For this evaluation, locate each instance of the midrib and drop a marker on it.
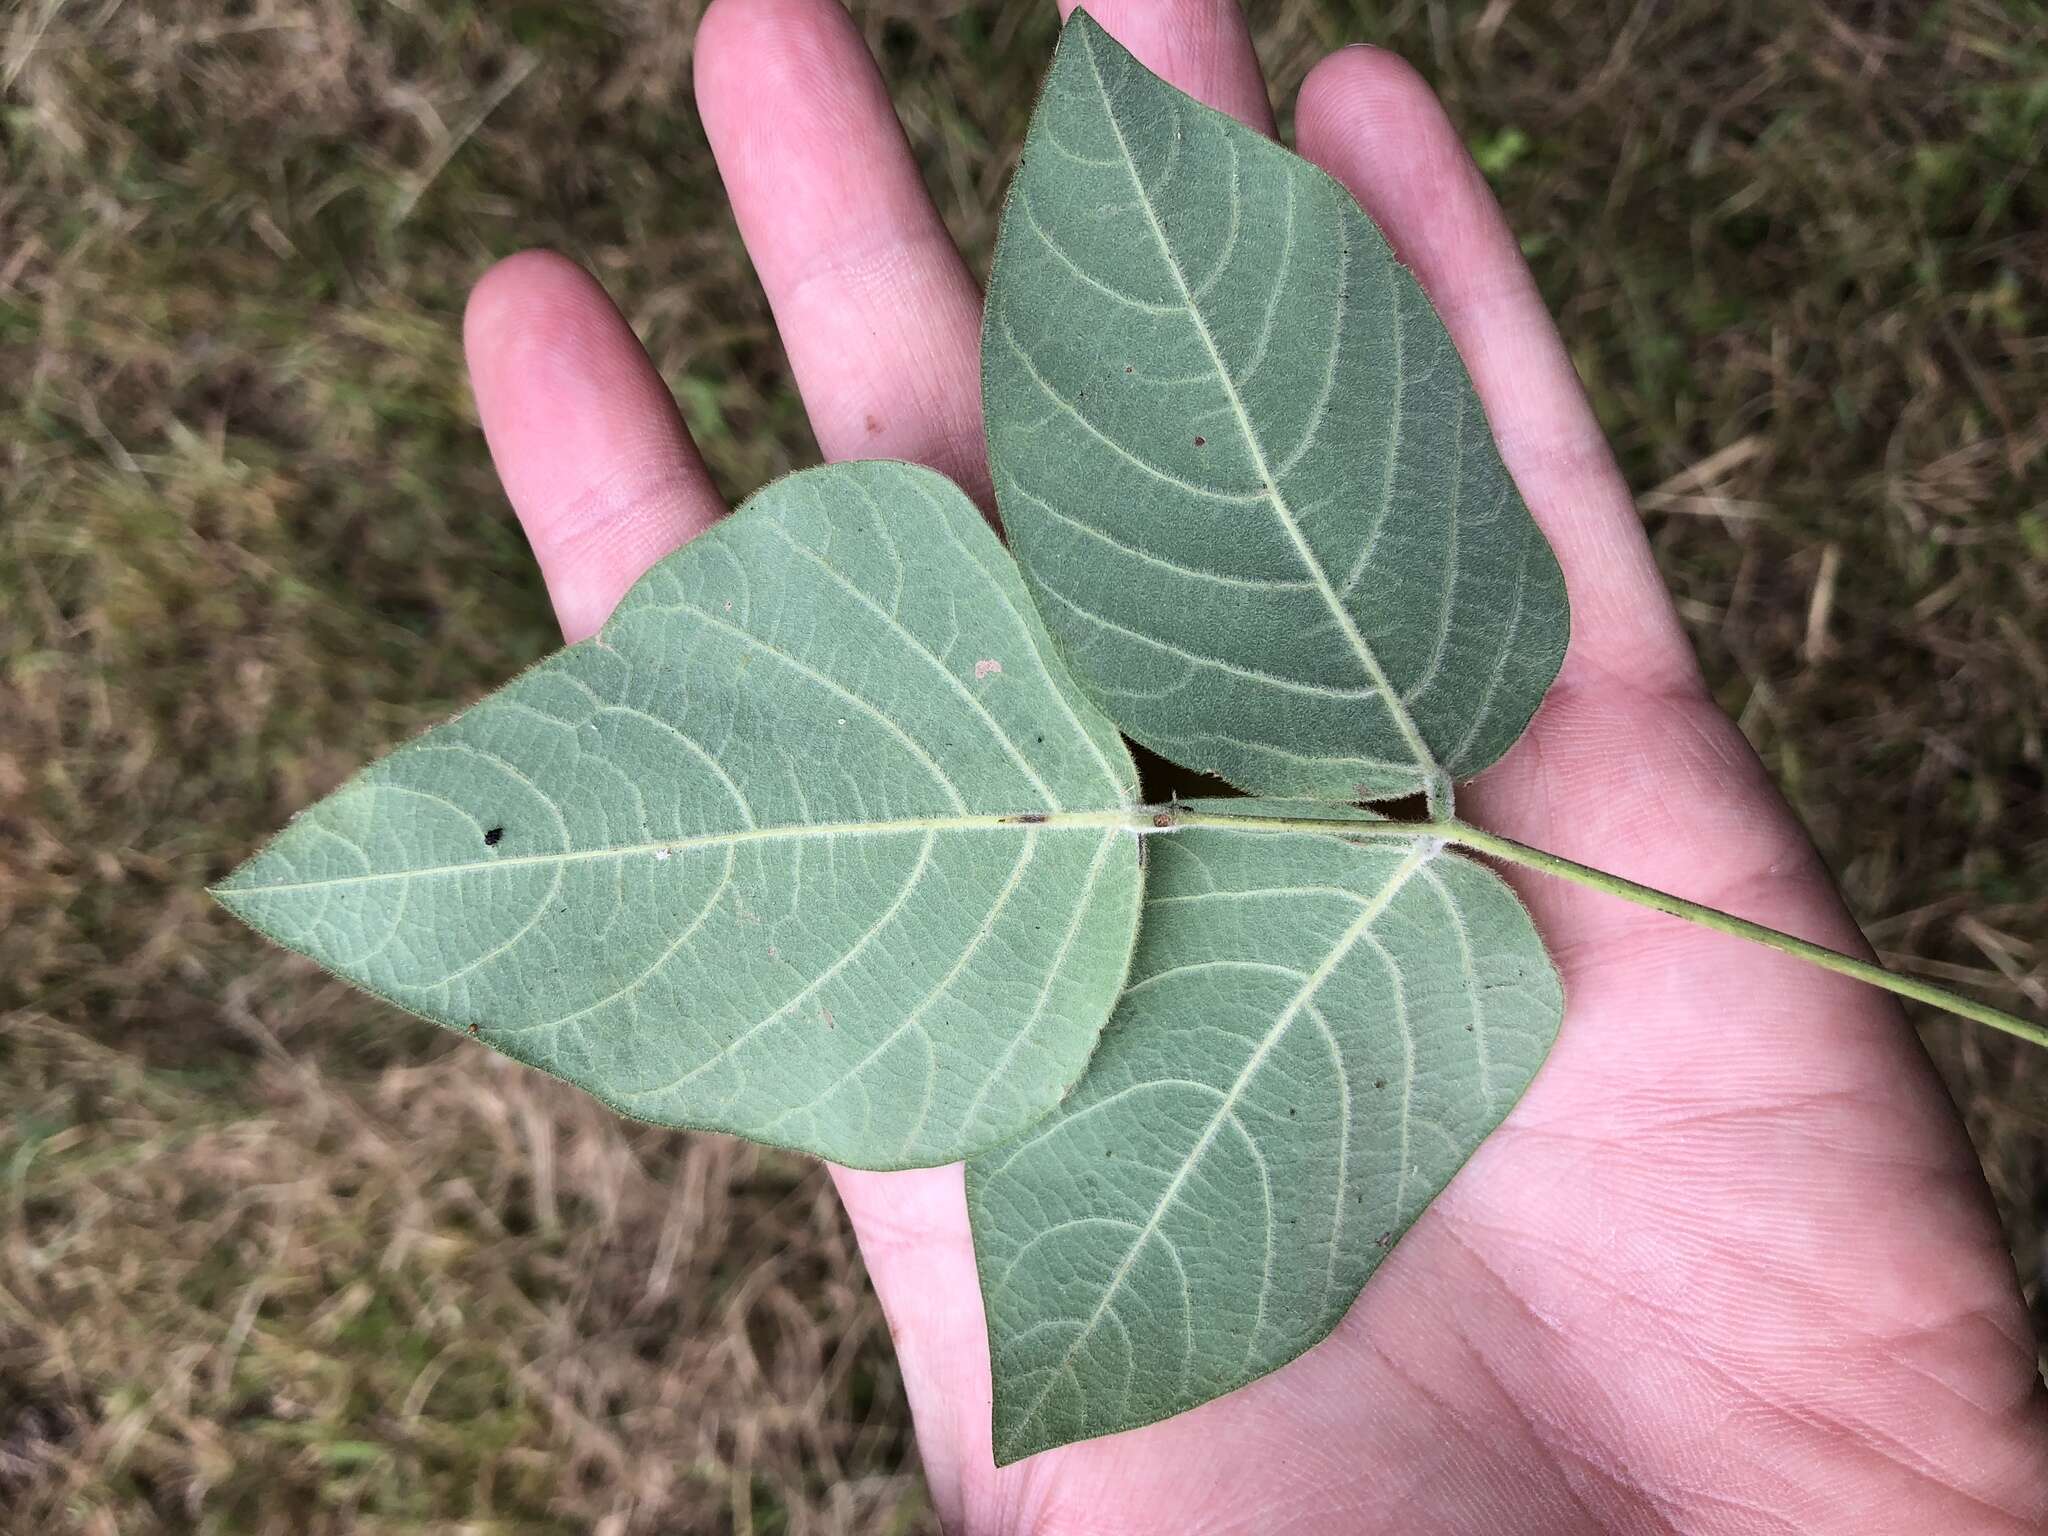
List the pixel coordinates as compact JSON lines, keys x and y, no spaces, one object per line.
{"x":1141,"y":820}
{"x":1013,"y":822}
{"x":1425,"y":760}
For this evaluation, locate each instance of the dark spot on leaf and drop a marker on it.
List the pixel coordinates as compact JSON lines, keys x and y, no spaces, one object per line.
{"x":493,"y":837}
{"x":1290,"y":1111}
{"x":1379,"y":1082}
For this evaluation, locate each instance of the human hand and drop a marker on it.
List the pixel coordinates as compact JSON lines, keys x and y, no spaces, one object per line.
{"x":1731,"y":1265}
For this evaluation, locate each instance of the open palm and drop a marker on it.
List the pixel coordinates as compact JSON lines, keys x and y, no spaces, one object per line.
{"x":1731,"y":1265}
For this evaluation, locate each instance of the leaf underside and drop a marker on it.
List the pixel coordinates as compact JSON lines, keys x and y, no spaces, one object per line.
{"x":742,"y":861}
{"x":1240,"y":460}
{"x":1314,"y":1038}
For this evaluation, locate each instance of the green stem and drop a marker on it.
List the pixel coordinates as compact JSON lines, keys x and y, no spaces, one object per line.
{"x":1511,"y":852}
{"x":1437,"y":796}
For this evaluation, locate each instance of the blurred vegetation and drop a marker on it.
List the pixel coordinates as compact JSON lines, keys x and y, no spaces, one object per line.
{"x":273,"y":1259}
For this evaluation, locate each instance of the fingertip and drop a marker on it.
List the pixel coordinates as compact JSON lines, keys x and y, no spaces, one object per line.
{"x":1363,"y":75}
{"x":1202,"y":47}
{"x":1367,"y":116}
{"x":750,"y":50}
{"x":511,"y":283}
{"x":587,"y":440}
{"x":536,"y":308}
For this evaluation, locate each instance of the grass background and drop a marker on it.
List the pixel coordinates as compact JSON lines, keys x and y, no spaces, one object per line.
{"x":273,"y":1259}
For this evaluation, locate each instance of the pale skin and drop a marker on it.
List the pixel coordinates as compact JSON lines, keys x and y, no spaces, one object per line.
{"x":1731,"y":1266}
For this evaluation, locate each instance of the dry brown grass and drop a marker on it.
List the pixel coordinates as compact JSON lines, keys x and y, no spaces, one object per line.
{"x":273,"y":1259}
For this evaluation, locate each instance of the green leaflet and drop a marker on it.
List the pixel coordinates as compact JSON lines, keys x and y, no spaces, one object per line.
{"x":1315,"y":1036}
{"x":1240,"y":460}
{"x":742,"y":861}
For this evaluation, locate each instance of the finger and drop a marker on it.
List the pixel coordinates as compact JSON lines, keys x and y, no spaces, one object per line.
{"x":878,"y":313}
{"x":585,"y":436}
{"x":1628,"y":763}
{"x":1372,"y":122}
{"x":1201,"y":46}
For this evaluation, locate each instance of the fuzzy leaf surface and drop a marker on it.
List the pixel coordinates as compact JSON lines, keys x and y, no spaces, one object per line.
{"x":1240,"y":460}
{"x":744,"y":861}
{"x":1315,"y":1036}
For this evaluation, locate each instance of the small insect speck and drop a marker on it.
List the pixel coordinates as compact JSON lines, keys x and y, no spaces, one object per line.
{"x":1379,"y":1082}
{"x":1201,"y":442}
{"x":985,"y":666}
{"x":661,"y":855}
{"x":494,"y":837}
{"x":472,"y":1028}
